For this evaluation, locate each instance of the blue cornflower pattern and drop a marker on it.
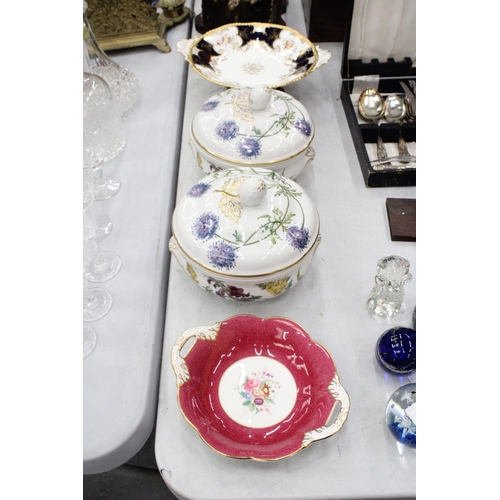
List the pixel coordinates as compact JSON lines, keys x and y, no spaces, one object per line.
{"x":198,"y":190}
{"x":222,"y":255}
{"x":298,"y":237}
{"x":303,"y":126}
{"x":205,"y":226}
{"x":209,"y":106}
{"x":248,"y":147}
{"x":227,"y":130}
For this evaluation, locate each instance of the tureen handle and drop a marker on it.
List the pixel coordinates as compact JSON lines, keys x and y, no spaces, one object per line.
{"x":183,"y":47}
{"x":324,"y":56}
{"x":199,"y":333}
{"x":340,"y":396}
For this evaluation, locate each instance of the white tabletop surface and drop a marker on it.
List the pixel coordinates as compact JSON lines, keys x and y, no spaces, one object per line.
{"x":362,"y":460}
{"x":121,"y":376}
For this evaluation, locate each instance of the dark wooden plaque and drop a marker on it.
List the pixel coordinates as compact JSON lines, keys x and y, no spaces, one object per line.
{"x":402,"y":215}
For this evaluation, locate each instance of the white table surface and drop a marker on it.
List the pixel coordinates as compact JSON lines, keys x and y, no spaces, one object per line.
{"x":121,"y":376}
{"x":362,"y":460}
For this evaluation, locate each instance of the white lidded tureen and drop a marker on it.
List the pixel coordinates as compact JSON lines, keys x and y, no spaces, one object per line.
{"x":260,"y":127}
{"x":245,"y":233}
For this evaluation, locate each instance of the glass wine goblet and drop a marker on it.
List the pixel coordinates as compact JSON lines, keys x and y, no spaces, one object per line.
{"x":89,"y":340}
{"x":103,"y":135}
{"x":97,"y":302}
{"x":122,"y":82}
{"x":103,"y":223}
{"x":98,"y":266}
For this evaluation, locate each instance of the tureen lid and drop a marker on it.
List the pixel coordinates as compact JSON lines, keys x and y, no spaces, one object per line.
{"x":255,"y":126}
{"x":245,"y":221}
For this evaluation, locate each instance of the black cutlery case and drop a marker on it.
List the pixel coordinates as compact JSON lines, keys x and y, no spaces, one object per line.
{"x":379,"y":52}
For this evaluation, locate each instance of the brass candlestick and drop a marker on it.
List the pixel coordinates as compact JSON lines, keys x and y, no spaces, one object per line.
{"x":172,"y":12}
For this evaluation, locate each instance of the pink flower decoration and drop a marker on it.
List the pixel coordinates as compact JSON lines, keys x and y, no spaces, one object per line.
{"x":251,"y":383}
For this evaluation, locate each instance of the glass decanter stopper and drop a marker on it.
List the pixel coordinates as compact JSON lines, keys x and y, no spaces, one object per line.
{"x":122,"y":82}
{"x":388,"y":293}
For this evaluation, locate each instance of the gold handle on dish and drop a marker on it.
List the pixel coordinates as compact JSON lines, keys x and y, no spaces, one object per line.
{"x":178,"y":363}
{"x":340,"y":395}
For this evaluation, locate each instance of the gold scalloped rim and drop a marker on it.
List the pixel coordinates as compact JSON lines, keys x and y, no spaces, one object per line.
{"x":269,"y":25}
{"x":303,"y":446}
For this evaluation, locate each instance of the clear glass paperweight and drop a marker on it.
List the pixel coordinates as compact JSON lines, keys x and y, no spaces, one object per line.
{"x":388,"y":293}
{"x":396,"y":350}
{"x":401,"y":415}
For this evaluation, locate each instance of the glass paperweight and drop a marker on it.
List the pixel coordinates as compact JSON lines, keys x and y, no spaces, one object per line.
{"x":401,"y":415}
{"x":122,"y":82}
{"x":396,"y":350}
{"x":89,"y":340}
{"x":388,"y":293}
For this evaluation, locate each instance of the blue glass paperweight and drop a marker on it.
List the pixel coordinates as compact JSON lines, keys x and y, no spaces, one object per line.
{"x":396,"y":350}
{"x":401,"y":415}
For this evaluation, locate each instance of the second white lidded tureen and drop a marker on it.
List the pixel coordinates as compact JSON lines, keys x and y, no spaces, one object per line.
{"x":245,"y":233}
{"x":259,"y":127}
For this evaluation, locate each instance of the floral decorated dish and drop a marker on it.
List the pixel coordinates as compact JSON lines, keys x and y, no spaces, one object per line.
{"x":253,"y":54}
{"x":258,"y":388}
{"x":261,"y":127}
{"x":245,"y":233}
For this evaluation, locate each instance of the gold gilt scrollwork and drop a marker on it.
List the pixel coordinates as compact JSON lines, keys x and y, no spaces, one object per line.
{"x":119,"y":24}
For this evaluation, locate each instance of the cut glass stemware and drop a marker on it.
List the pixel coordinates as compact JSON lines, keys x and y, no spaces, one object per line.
{"x":122,"y":82}
{"x":102,"y":267}
{"x":89,"y":340}
{"x":97,"y":302}
{"x":103,"y":135}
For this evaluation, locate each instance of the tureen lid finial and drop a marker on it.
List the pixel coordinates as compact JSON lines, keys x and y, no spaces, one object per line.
{"x":260,"y":97}
{"x":252,"y":191}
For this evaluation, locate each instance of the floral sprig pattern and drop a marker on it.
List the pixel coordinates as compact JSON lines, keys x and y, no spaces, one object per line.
{"x":277,"y":287}
{"x":229,"y":291}
{"x":249,"y":146}
{"x":279,"y":224}
{"x":258,"y":391}
{"x":226,"y":291}
{"x":198,"y":190}
{"x":205,"y":226}
{"x":227,"y":130}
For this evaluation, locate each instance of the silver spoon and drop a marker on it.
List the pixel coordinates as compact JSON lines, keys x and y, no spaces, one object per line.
{"x":411,"y":100}
{"x":395,"y":112}
{"x":371,"y":106}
